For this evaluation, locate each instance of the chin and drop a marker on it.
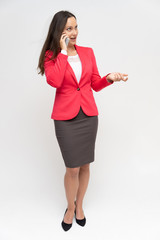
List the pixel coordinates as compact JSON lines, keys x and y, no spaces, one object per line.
{"x":71,"y":44}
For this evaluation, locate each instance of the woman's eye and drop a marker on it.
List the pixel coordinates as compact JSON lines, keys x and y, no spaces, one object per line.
{"x":70,"y":28}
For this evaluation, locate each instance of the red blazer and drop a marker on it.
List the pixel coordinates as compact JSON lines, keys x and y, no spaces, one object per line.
{"x":70,"y":94}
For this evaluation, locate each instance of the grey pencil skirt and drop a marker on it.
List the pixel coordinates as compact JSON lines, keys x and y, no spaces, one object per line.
{"x":76,"y":138}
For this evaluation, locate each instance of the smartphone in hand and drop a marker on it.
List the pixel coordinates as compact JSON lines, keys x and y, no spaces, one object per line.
{"x":67,"y":41}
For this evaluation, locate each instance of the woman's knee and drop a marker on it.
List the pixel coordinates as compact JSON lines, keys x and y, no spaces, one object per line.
{"x":85,"y":167}
{"x":72,"y":172}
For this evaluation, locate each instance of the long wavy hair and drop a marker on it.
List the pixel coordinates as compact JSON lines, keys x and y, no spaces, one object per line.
{"x":52,"y":41}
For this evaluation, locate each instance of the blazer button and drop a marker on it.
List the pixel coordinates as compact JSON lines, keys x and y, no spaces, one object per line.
{"x":78,"y":89}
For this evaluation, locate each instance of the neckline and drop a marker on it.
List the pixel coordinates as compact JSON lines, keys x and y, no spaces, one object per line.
{"x":73,"y":55}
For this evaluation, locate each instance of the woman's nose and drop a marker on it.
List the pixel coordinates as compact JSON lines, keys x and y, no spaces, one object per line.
{"x":74,"y":32}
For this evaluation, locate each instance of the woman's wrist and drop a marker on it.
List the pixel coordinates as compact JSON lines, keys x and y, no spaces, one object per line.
{"x":108,"y":79}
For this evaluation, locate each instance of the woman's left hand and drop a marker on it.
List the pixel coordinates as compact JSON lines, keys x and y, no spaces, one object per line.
{"x":116,"y":76}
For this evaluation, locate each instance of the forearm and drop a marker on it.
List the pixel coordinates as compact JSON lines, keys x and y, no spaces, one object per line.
{"x":55,"y":70}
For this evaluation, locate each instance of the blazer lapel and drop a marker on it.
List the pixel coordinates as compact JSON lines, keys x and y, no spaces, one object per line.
{"x":82,"y":62}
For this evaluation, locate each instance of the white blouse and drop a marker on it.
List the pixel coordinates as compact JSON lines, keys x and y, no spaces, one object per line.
{"x":75,"y":63}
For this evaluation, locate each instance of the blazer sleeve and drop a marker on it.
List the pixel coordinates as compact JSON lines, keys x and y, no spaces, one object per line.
{"x":98,"y":83}
{"x":55,"y":69}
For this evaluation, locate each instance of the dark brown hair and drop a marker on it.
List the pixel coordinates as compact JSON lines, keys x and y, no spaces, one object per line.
{"x":51,"y":43}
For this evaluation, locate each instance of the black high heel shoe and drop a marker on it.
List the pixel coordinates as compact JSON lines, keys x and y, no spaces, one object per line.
{"x":81,"y":222}
{"x":66,"y":226}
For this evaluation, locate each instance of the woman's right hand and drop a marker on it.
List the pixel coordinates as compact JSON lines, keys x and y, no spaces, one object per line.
{"x":62,"y":41}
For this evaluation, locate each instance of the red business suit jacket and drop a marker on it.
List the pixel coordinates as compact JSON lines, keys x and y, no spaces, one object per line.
{"x":70,"y":94}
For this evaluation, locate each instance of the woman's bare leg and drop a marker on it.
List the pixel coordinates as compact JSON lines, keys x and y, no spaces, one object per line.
{"x":84,"y":175}
{"x":71,"y":183}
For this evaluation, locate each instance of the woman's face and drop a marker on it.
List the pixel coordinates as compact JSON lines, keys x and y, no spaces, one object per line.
{"x":71,"y":30}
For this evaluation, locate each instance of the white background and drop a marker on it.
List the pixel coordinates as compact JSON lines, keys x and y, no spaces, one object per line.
{"x":122,"y":199}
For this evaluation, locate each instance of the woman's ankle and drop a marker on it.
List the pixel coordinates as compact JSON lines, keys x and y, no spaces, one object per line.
{"x":79,"y":204}
{"x":71,"y":207}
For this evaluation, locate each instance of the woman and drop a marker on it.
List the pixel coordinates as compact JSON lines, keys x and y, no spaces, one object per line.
{"x":72,"y":70}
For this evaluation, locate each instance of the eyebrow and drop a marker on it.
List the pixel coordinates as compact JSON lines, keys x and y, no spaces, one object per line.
{"x":71,"y":26}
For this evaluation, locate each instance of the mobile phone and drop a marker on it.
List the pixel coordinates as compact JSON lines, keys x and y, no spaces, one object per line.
{"x":67,"y":41}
